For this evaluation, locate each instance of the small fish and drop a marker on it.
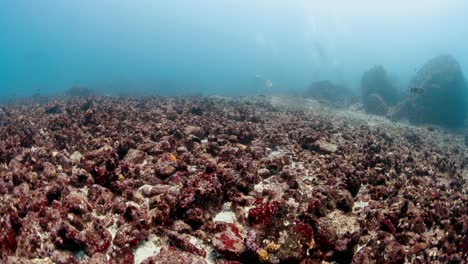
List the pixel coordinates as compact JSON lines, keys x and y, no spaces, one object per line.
{"x":262,"y":84}
{"x":268,"y":84}
{"x":416,"y":90}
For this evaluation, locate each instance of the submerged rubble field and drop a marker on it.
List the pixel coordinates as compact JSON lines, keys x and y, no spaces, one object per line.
{"x":218,"y":180}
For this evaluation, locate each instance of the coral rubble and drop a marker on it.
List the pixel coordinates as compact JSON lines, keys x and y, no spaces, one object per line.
{"x":224,"y":180}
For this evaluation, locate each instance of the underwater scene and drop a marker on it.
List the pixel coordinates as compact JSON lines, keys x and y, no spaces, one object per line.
{"x":229,"y":132}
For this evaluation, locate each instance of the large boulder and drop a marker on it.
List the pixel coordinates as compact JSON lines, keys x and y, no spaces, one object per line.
{"x":437,"y":94}
{"x":376,"y":87}
{"x":330,"y":94}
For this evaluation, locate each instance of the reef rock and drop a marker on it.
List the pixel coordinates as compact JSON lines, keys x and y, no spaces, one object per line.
{"x":172,"y":255}
{"x":338,"y":233}
{"x":437,"y":94}
{"x":377,"y":90}
{"x":389,"y":250}
{"x":324,"y":147}
{"x":229,"y":242}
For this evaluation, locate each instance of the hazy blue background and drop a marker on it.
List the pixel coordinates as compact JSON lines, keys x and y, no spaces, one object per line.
{"x":219,"y":46}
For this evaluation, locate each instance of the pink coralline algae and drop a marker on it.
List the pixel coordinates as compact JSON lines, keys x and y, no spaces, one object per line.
{"x":229,"y":242}
{"x":262,"y":212}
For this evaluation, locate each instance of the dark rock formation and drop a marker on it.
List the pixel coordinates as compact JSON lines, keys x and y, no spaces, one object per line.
{"x":377,"y":91}
{"x":330,"y":94}
{"x":437,"y":94}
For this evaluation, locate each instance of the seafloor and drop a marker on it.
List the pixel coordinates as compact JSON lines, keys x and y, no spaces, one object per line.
{"x":226,"y":180}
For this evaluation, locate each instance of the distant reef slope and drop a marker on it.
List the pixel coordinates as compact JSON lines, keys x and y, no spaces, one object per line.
{"x":331,"y":94}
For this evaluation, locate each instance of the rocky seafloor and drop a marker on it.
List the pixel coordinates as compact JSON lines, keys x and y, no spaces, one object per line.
{"x":226,"y":180}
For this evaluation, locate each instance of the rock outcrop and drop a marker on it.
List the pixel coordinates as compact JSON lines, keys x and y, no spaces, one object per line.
{"x":437,"y":94}
{"x":377,"y":91}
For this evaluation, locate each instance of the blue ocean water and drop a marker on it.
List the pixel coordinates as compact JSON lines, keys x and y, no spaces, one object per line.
{"x":218,"y":47}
